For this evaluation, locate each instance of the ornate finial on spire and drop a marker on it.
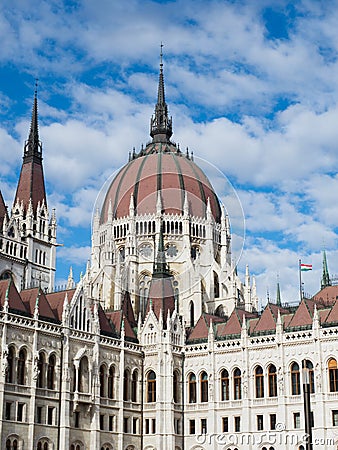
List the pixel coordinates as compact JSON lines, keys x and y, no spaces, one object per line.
{"x":325,"y":277}
{"x":161,"y":123}
{"x":33,"y":146}
{"x":278,"y":300}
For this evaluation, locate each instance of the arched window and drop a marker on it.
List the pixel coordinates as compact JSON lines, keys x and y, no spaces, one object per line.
{"x":272,"y":375}
{"x":10,"y":365}
{"x":192,"y":388}
{"x":51,"y":372}
{"x":45,"y":446}
{"x":83,"y":385}
{"x":102,"y":376}
{"x":295,"y":379}
{"x":333,"y":375}
{"x":309,"y":366}
{"x":15,"y":444}
{"x":151,"y":387}
{"x":224,"y":385}
{"x":204,"y":386}
{"x":216,"y":285}
{"x":259,"y":382}
{"x":175,"y":386}
{"x":21,"y":367}
{"x":126,"y":382}
{"x":111,"y":382}
{"x":192,"y":314}
{"x":134,"y":386}
{"x":41,"y":370}
{"x":8,"y":444}
{"x":237,"y":384}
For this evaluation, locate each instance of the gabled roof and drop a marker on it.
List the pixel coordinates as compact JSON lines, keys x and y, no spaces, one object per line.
{"x":201,"y":329}
{"x":127,"y":309}
{"x":234,"y":324}
{"x":15,"y":303}
{"x":303,"y":314}
{"x":56,"y":300}
{"x":31,"y":296}
{"x":3,"y":211}
{"x":327,"y":295}
{"x":333,"y":314}
{"x":116,"y":318}
{"x":268,"y":319}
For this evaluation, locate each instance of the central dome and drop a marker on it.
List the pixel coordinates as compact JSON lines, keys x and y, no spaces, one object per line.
{"x":160,"y":179}
{"x":161,"y":169}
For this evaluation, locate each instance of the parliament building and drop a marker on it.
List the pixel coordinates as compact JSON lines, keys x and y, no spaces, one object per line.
{"x":160,"y":345}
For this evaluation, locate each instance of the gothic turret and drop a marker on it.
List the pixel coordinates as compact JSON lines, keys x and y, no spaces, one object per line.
{"x":161,"y":123}
{"x":325,"y":277}
{"x":31,"y":185}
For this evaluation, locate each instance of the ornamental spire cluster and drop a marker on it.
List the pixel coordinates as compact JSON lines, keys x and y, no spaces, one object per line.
{"x":161,"y":123}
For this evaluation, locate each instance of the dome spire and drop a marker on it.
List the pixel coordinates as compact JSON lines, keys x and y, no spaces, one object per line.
{"x":161,"y":123}
{"x":33,"y":145}
{"x":161,"y":269}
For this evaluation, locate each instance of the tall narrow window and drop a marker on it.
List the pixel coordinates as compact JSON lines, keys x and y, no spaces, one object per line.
{"x":204,"y":387}
{"x":83,"y":385}
{"x":102,"y":375}
{"x":134,"y":386}
{"x":224,"y":385}
{"x":192,"y":388}
{"x":333,"y":375}
{"x":21,"y":367}
{"x":272,"y":376}
{"x":151,"y":387}
{"x":216,"y":285}
{"x":111,"y":382}
{"x":259,"y":382}
{"x":295,"y":379}
{"x":41,"y":370}
{"x":309,"y":366}
{"x":237,"y":384}
{"x":126,"y":382}
{"x":10,"y":365}
{"x":51,"y":372}
{"x":192,"y":314}
{"x":175,"y":386}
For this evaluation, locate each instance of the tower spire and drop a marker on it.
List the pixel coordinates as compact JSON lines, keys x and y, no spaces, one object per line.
{"x":31,"y":185}
{"x":33,"y":146}
{"x":325,"y":277}
{"x":161,"y":123}
{"x":278,"y":300}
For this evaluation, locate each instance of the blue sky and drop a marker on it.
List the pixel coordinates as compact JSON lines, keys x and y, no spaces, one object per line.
{"x":252,"y":88}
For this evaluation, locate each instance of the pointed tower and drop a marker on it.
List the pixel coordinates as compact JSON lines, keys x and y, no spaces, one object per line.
{"x":28,"y":252}
{"x":3,"y":212}
{"x":161,"y":123}
{"x":278,"y":299}
{"x":325,"y":277}
{"x":31,"y":185}
{"x":161,"y":293}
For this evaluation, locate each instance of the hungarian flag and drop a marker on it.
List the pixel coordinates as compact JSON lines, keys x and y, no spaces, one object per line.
{"x":305,"y":267}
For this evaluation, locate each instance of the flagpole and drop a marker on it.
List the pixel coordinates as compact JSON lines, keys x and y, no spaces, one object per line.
{"x":300,"y":281}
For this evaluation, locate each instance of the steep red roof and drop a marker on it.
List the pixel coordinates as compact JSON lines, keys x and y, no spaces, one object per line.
{"x":303,"y":314}
{"x":116,"y":318}
{"x":3,"y":211}
{"x":201,"y":329}
{"x":161,"y":295}
{"x":30,"y":296}
{"x":56,"y":300}
{"x":328,"y":295}
{"x":234,"y":323}
{"x":14,"y":299}
{"x":31,"y":185}
{"x":127,"y":309}
{"x":268,"y":319}
{"x":333,"y":314}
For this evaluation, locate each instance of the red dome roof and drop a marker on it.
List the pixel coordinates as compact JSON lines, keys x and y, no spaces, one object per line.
{"x":160,"y":167}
